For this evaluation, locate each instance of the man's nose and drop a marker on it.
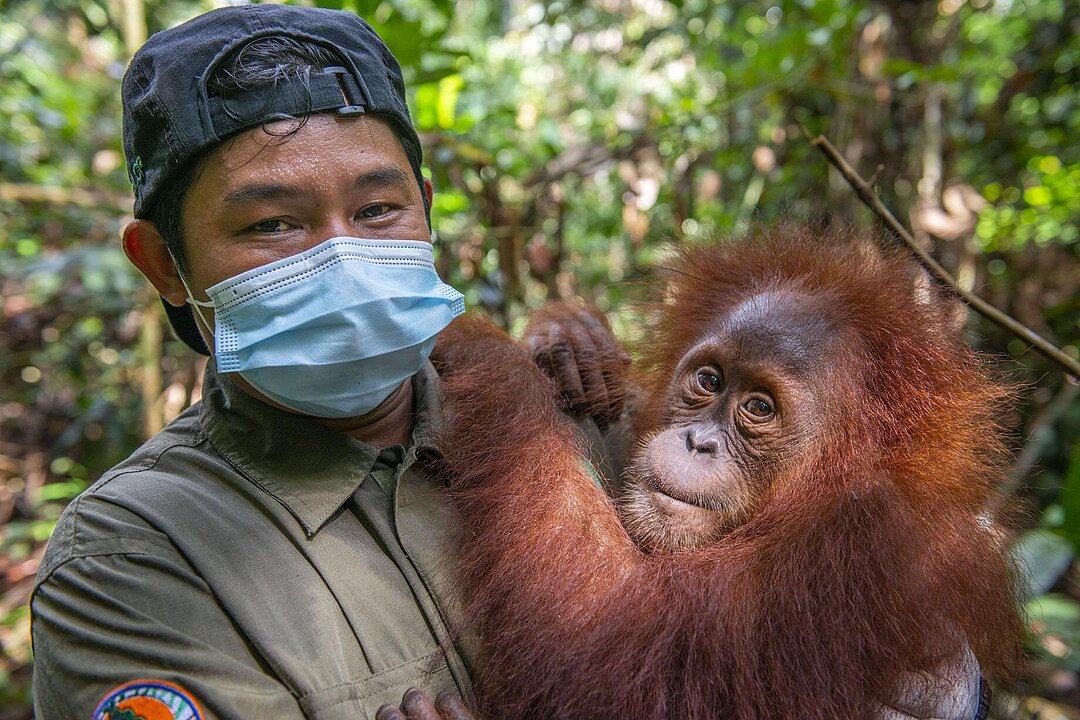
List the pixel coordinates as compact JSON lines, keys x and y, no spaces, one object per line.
{"x":338,"y":226}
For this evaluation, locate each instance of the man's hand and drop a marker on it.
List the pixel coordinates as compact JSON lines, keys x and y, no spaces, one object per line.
{"x":415,"y":705}
{"x":573,"y":344}
{"x":954,"y":691}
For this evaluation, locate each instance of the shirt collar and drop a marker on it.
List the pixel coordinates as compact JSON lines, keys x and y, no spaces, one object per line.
{"x":310,"y":469}
{"x":428,"y":408}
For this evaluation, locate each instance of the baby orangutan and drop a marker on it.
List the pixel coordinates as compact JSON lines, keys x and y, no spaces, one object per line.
{"x":802,"y":524}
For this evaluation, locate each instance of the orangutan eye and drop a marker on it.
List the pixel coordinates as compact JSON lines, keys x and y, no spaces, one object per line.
{"x":759,"y":408}
{"x":708,"y":381}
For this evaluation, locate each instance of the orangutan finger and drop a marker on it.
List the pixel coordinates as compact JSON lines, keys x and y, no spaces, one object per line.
{"x":451,"y":707}
{"x":417,"y":706}
{"x":537,"y":341}
{"x":950,"y":691}
{"x":388,"y":712}
{"x":594,"y":382}
{"x":577,"y":350}
{"x":613,"y":369}
{"x":566,"y":369}
{"x":549,"y":349}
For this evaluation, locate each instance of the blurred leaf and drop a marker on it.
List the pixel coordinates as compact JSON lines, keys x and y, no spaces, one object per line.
{"x":446,"y":106}
{"x":1056,"y":620}
{"x":1043,"y":557}
{"x":1070,"y":496}
{"x":62,"y":490}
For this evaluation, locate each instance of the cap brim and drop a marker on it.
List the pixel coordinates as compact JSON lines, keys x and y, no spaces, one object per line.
{"x":183,"y":325}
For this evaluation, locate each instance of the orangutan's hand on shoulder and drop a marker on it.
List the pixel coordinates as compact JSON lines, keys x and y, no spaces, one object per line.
{"x":573,"y":344}
{"x":415,"y":705}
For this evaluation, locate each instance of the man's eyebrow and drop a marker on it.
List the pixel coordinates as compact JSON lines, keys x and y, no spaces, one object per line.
{"x":255,"y":192}
{"x":383,"y":177}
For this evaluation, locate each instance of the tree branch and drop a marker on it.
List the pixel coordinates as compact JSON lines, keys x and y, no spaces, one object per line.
{"x":870,"y":198}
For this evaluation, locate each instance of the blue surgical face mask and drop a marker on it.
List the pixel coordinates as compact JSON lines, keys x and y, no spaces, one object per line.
{"x":332,"y":331}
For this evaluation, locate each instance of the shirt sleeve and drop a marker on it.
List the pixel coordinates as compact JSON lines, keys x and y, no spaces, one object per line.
{"x":106,"y":617}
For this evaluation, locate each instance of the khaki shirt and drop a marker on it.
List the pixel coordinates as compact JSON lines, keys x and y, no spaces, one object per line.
{"x":264,"y":564}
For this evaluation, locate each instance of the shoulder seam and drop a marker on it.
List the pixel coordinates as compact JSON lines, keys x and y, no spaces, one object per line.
{"x":101,"y":553}
{"x":200,"y":438}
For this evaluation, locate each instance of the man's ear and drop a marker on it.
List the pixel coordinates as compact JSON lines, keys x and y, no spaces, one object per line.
{"x":146,"y":250}
{"x":429,"y":190}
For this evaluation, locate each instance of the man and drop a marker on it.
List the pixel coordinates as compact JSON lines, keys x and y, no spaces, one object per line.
{"x":283,"y":549}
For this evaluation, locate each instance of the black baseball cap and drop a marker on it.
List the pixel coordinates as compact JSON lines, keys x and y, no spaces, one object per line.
{"x":170,"y":117}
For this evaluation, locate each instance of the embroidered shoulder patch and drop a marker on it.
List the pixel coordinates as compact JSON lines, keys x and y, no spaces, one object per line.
{"x":148,"y":700}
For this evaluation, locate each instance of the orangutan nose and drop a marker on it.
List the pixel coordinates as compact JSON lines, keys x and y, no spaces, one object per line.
{"x":703,"y":443}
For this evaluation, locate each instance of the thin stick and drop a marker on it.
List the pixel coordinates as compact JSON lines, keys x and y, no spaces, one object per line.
{"x":870,"y":198}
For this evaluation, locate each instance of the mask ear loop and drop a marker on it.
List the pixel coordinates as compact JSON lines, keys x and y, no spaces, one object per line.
{"x":196,"y":305}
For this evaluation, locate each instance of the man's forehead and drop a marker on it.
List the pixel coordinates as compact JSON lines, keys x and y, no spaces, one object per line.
{"x":319,"y":145}
{"x":296,"y":136}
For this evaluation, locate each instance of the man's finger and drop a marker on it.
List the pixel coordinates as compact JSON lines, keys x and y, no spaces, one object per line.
{"x":452,"y":708}
{"x":417,"y":706}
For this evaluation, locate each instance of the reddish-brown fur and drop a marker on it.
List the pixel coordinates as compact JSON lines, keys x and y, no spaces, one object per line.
{"x":864,"y":565}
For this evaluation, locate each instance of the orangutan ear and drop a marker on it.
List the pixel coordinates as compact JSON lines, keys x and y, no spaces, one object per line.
{"x":146,"y":249}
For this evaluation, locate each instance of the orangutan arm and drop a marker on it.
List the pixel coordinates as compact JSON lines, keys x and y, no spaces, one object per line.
{"x":506,"y":440}
{"x":536,"y":526}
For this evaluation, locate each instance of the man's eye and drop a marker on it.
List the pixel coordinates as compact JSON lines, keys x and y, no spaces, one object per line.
{"x":708,"y":381}
{"x":270,"y":226}
{"x":374,"y":211}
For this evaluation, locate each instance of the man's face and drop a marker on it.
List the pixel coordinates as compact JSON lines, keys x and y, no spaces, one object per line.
{"x":260,"y":197}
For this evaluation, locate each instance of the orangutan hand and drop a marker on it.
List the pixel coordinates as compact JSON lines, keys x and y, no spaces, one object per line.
{"x":573,"y":344}
{"x":416,"y":706}
{"x":954,"y":691}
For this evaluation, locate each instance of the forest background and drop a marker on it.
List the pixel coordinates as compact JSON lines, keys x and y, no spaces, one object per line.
{"x":569,"y":142}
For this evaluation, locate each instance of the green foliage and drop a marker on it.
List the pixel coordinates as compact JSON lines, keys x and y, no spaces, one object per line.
{"x":1070,"y":496}
{"x":1056,"y":618}
{"x":1043,"y":209}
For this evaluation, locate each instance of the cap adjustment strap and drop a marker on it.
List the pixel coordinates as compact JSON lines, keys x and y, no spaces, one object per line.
{"x":335,"y":88}
{"x":347,"y":84}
